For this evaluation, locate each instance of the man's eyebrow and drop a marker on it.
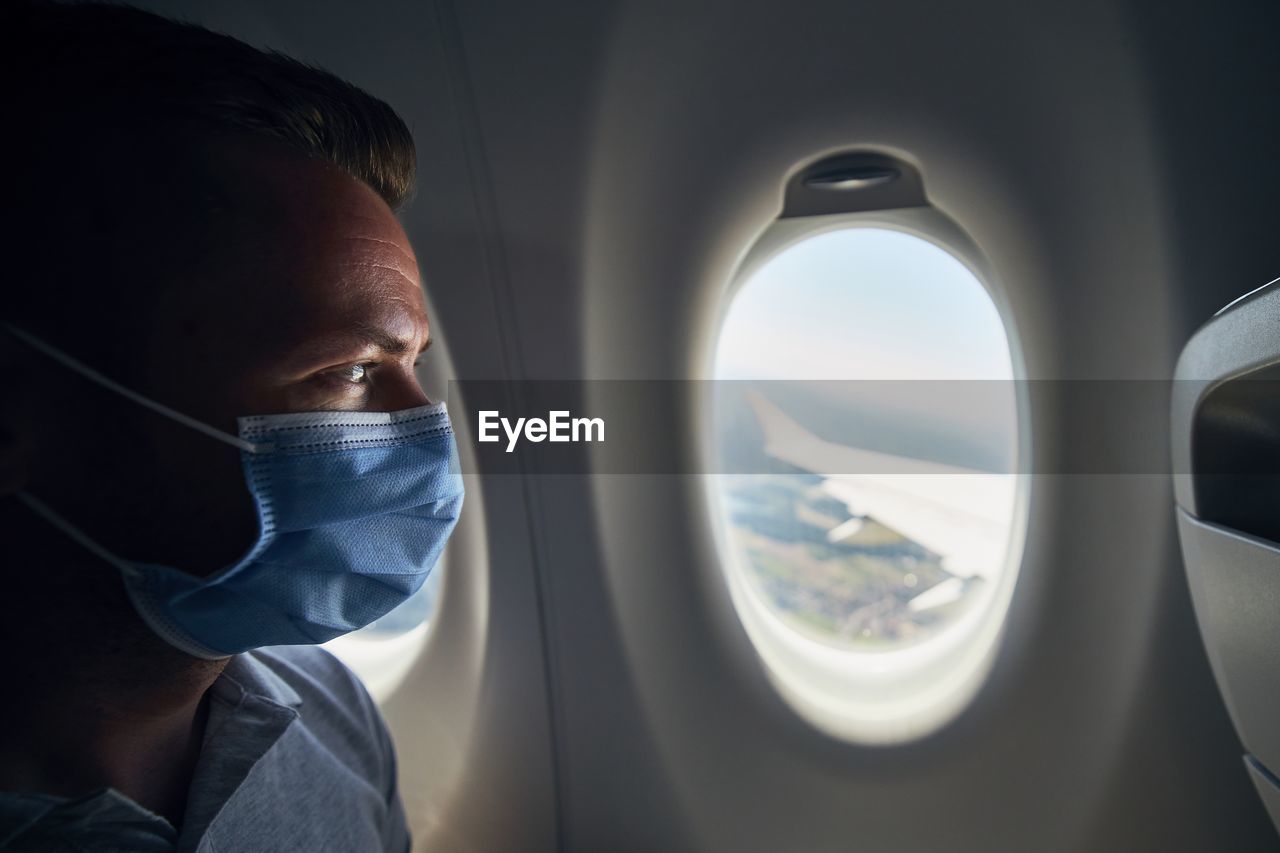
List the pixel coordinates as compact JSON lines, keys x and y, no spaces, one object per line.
{"x":386,"y":341}
{"x":381,"y":338}
{"x":362,"y":336}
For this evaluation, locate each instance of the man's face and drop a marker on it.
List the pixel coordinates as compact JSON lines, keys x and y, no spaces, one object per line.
{"x":306,"y":297}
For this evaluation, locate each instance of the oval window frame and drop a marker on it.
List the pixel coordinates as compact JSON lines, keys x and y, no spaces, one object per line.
{"x":888,"y":697}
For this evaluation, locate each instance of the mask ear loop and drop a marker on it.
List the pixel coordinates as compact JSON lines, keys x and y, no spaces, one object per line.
{"x":135,"y":581}
{"x":74,"y":533}
{"x":94,"y":376}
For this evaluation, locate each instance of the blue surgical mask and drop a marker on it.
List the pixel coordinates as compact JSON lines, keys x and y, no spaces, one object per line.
{"x":353,"y":511}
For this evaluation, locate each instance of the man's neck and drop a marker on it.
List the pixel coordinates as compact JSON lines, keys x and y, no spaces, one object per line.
{"x":100,"y":701}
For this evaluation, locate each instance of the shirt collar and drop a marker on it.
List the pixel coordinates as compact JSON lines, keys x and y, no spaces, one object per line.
{"x":251,"y":707}
{"x":246,"y":676}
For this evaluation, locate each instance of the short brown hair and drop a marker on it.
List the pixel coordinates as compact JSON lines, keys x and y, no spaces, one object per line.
{"x":89,"y":61}
{"x":111,"y":110}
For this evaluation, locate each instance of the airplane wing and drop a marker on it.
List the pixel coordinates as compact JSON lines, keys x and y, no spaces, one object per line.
{"x":958,"y":513}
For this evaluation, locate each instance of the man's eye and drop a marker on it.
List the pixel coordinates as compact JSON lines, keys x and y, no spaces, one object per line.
{"x":356,"y":374}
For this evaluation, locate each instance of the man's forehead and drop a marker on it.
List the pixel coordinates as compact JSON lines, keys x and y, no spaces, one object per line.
{"x":350,"y":291}
{"x":303,"y":251}
{"x":286,"y":192}
{"x":379,"y":249}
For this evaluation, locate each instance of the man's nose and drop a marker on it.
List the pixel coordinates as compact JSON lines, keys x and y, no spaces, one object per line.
{"x":401,"y":391}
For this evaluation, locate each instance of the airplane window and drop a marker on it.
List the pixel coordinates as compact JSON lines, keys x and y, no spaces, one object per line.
{"x":866,"y":423}
{"x":382,"y":653}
